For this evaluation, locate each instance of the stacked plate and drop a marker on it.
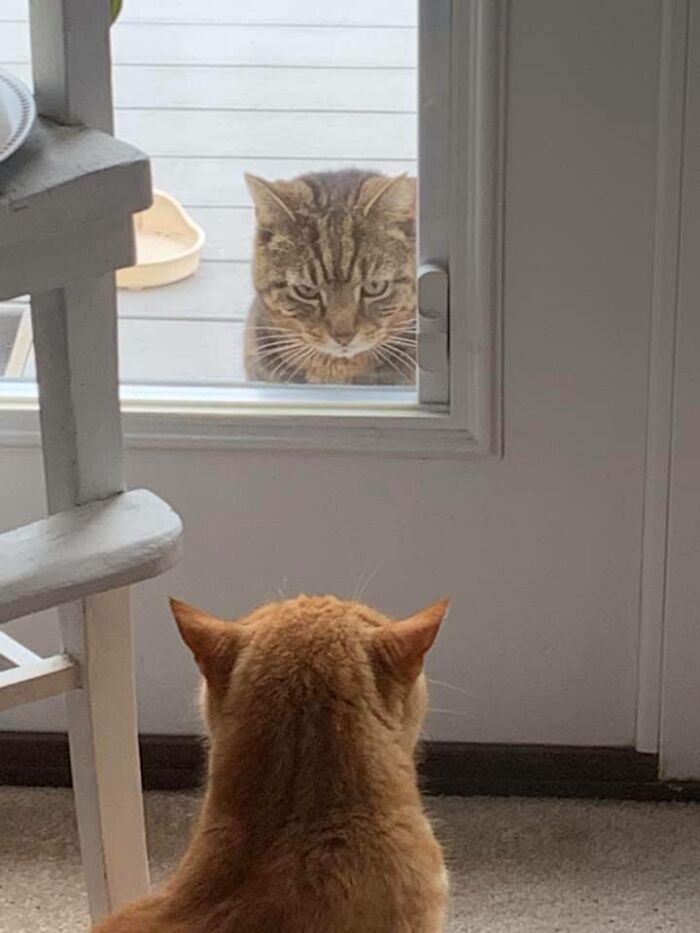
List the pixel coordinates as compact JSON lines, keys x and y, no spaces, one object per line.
{"x":17,"y":113}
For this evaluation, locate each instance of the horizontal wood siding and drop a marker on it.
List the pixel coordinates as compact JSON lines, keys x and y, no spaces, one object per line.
{"x":272,"y":12}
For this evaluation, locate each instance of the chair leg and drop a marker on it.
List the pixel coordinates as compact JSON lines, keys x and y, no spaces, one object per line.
{"x":76,"y":358}
{"x":104,"y":751}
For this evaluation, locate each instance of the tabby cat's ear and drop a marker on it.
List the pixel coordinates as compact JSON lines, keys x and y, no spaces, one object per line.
{"x":271,"y":207}
{"x":213,"y":642}
{"x":404,"y":644}
{"x":394,"y":196}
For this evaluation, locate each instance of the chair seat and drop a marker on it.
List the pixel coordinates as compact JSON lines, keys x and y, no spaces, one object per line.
{"x":66,"y":204}
{"x":89,"y":549}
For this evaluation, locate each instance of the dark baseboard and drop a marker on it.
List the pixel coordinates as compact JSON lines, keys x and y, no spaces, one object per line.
{"x":176,"y":762}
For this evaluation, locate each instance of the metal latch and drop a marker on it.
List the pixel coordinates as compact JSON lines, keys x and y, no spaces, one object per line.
{"x":433,"y":334}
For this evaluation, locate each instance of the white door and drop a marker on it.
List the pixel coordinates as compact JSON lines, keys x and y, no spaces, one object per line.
{"x":541,"y":549}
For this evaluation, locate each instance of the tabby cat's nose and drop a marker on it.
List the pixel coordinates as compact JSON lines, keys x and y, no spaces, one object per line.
{"x":343,"y":339}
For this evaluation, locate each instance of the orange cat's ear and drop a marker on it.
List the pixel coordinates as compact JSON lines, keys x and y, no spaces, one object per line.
{"x":270,"y":200}
{"x":213,"y":643}
{"x":395,"y":196}
{"x":406,"y":643}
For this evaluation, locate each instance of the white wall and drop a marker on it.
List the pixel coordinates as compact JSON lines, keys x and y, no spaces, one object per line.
{"x":540,"y":552}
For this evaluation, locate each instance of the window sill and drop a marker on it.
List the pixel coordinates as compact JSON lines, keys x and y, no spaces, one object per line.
{"x":337,"y":420}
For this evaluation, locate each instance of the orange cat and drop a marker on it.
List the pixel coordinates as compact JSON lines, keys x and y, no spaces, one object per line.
{"x":312,"y":821}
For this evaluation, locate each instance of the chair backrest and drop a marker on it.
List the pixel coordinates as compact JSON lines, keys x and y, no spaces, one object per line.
{"x":71,"y":61}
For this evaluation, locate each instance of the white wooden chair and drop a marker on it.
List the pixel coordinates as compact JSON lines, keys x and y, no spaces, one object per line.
{"x":66,"y":200}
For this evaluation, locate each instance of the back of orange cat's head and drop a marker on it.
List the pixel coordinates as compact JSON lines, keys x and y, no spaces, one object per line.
{"x":308,"y":649}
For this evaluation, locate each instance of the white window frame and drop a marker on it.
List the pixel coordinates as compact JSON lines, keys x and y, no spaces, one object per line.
{"x":458,"y":409}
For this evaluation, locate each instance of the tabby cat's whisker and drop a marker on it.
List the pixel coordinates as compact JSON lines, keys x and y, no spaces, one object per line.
{"x":290,"y":357}
{"x":302,"y":361}
{"x":303,"y":364}
{"x":281,"y":364}
{"x":277,"y":351}
{"x":401,"y":358}
{"x":272,"y":327}
{"x":385,"y":358}
{"x":401,"y":327}
{"x":399,"y":345}
{"x":290,"y":352}
{"x":399,"y":341}
{"x":276,"y":341}
{"x":404,"y":341}
{"x":279,"y":339}
{"x":400,"y":352}
{"x":279,"y":346}
{"x":392,"y":361}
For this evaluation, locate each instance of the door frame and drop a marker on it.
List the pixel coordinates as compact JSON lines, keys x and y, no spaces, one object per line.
{"x":679,"y":746}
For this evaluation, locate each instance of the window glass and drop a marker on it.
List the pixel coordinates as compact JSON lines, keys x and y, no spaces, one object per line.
{"x":283,"y":139}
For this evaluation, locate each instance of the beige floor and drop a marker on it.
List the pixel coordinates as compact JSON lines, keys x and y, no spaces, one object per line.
{"x":518,"y":866}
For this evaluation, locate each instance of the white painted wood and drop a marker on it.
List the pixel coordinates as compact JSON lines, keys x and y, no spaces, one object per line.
{"x":89,"y":549}
{"x":76,"y":351}
{"x":434,"y":131}
{"x":75,"y":342}
{"x":680,"y":725}
{"x":65,"y":207}
{"x":265,"y":88}
{"x":673,"y":65}
{"x":218,"y":289}
{"x":253,"y":134}
{"x":180,"y":353}
{"x":43,"y":678}
{"x":476,"y":228}
{"x":103,"y":734}
{"x":15,"y":10}
{"x":65,"y":177}
{"x":274,"y":12}
{"x":15,"y":652}
{"x":229,"y":232}
{"x":20,"y":348}
{"x":433,"y":323}
{"x":434,"y":203}
{"x":219,"y":182}
{"x":70,"y":55}
{"x":278,"y":12}
{"x":280,"y":89}
{"x":10,"y":316}
{"x":51,"y":262}
{"x":243,"y":45}
{"x":540,"y":551}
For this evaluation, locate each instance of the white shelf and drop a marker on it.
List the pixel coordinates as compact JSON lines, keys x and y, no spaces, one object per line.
{"x":89,"y":549}
{"x":66,"y":200}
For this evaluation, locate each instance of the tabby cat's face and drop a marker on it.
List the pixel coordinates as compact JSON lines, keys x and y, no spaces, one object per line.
{"x":335,"y":262}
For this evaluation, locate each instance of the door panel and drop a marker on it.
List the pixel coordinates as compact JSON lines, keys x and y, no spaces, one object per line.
{"x":540,"y":551}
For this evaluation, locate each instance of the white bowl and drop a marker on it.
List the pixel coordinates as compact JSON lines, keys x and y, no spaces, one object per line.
{"x":17,"y":113}
{"x":168,"y":245}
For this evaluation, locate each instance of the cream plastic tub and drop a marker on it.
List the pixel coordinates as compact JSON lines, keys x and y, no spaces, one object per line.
{"x":168,"y":245}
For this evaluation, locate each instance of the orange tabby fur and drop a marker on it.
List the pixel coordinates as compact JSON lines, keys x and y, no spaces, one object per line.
{"x":312,"y":820}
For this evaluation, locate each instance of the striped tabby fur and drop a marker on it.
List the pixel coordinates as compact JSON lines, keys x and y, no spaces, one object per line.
{"x":334,"y":274}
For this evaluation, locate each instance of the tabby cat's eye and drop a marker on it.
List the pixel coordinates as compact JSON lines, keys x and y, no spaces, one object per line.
{"x":305,"y":292}
{"x":376,"y":288}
